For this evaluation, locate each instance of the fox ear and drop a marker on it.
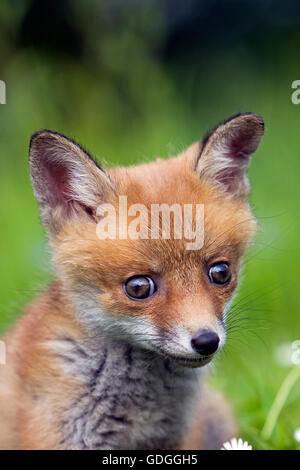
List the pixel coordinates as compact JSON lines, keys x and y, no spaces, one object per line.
{"x":66,"y":180}
{"x":225,"y":153}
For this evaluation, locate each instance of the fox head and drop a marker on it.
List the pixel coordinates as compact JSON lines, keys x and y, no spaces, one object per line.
{"x":150,"y":291}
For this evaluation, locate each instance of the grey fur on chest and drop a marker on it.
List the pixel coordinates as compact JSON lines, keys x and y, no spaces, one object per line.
{"x":131,"y":398}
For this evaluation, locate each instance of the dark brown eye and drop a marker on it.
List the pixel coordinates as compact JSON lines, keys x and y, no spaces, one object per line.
{"x":139,"y":287}
{"x":219,"y":273}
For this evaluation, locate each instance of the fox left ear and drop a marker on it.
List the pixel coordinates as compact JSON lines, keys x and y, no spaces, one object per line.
{"x":67,"y":181}
{"x":225,"y":153}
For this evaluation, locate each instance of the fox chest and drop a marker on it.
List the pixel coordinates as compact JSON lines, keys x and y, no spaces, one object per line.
{"x":130,"y":400}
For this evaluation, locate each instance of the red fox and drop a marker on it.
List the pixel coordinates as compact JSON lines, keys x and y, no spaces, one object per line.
{"x":113,"y":355}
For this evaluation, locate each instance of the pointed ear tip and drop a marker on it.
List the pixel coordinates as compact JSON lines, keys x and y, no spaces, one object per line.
{"x":258,"y":119}
{"x":250,"y":117}
{"x":40,"y":135}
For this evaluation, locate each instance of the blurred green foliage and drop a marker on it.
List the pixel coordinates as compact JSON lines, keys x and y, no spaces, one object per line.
{"x":132,"y":106}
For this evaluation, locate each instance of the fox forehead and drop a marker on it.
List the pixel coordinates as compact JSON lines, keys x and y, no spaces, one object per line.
{"x":161,"y":181}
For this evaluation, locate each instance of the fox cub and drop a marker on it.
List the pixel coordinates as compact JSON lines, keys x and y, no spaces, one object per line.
{"x":113,"y":354}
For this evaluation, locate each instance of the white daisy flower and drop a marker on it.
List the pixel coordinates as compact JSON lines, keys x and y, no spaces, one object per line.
{"x":297,"y":435}
{"x":236,"y":444}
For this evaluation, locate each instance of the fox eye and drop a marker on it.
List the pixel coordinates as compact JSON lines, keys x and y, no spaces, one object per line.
{"x":219,"y":273}
{"x":139,"y":287}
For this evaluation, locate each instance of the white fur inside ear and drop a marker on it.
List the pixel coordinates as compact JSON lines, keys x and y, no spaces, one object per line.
{"x":84,"y":188}
{"x":229,"y":173}
{"x":224,"y":163}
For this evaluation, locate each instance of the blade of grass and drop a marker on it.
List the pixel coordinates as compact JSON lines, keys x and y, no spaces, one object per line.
{"x":279,"y":402}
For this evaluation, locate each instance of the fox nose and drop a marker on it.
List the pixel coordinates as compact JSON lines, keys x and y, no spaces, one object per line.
{"x":205,"y":342}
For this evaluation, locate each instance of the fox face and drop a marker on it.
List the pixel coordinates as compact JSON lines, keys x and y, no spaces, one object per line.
{"x":151,"y":292}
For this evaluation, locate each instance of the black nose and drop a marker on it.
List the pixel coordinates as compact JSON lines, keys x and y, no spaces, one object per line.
{"x":205,"y":342}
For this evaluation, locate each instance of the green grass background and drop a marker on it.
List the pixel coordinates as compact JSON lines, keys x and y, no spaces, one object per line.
{"x":161,"y":113}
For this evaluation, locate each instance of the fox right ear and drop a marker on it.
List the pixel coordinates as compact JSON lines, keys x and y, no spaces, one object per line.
{"x":225,"y":153}
{"x":67,"y":182}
